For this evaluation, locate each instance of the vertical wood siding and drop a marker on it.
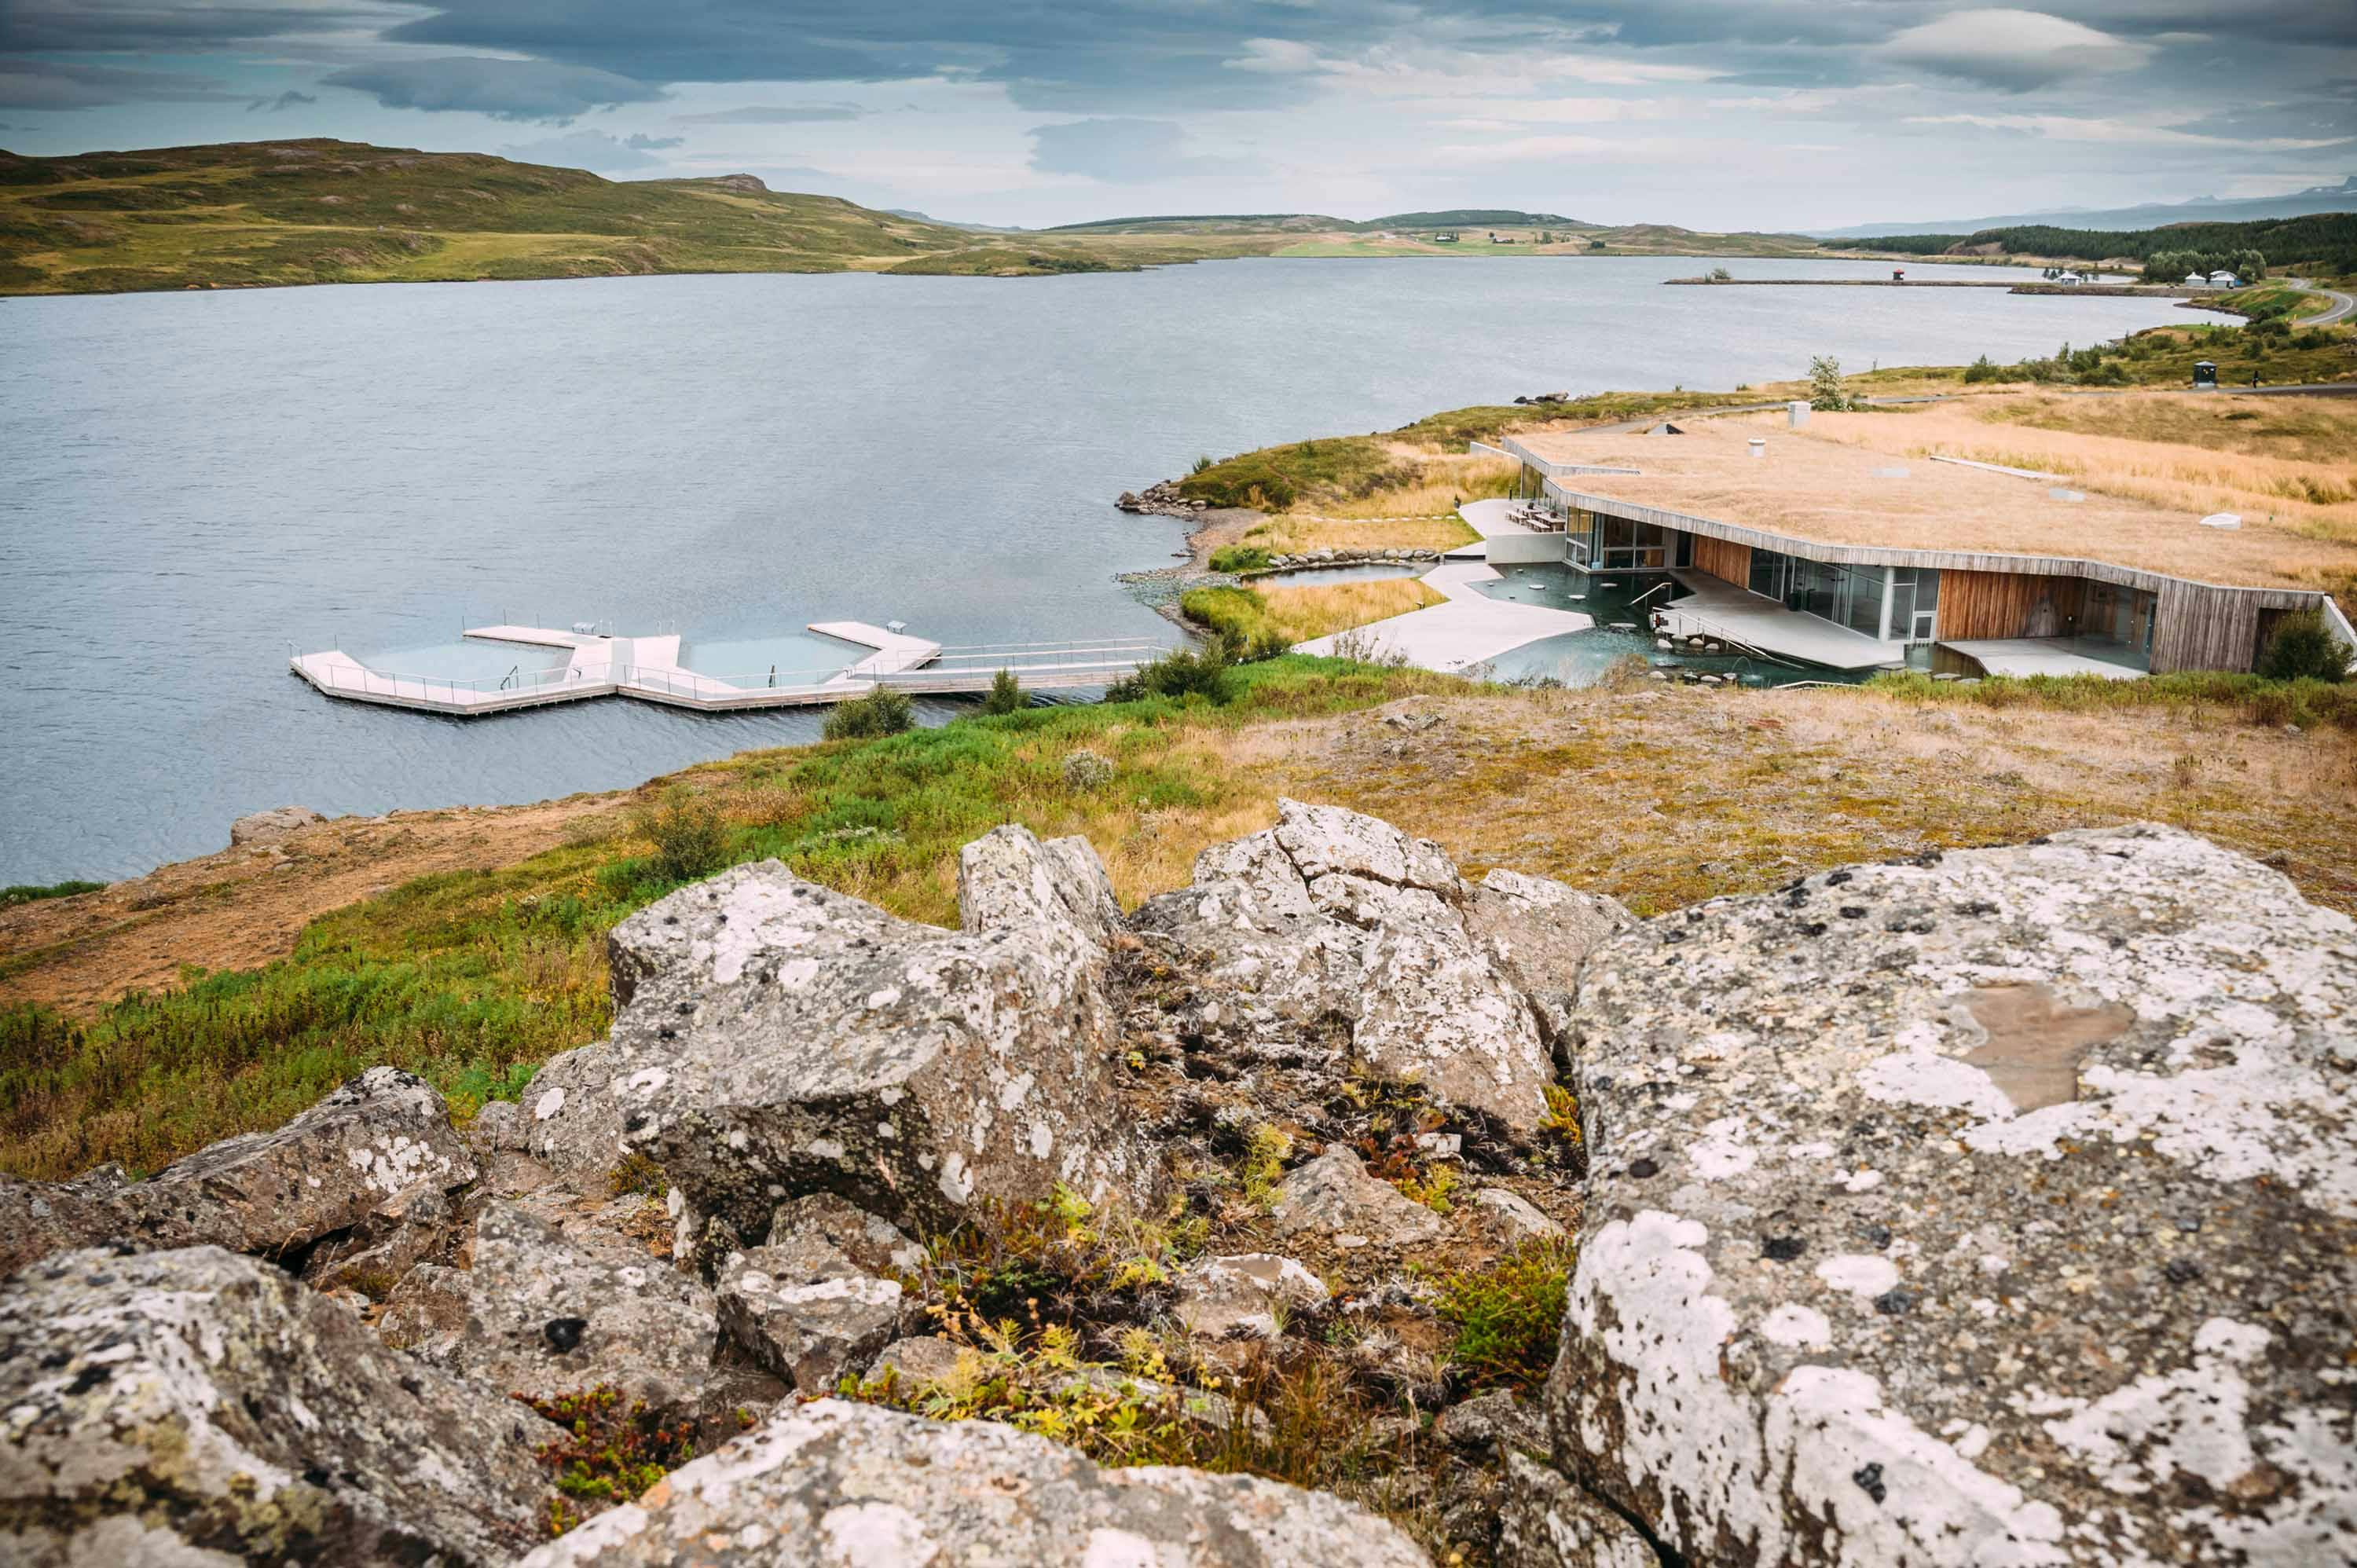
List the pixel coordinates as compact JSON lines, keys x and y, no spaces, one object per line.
{"x":1985,"y":605}
{"x":1727,"y":561}
{"x":2198,"y":628}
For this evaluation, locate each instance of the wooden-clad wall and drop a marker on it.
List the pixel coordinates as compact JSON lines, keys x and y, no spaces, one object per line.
{"x":2201,"y":627}
{"x":1727,"y":562}
{"x":1979,"y":605}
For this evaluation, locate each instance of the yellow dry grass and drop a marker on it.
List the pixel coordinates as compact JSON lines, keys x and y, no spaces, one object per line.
{"x":1289,"y":534}
{"x":1449,"y":482}
{"x":1298,"y":615}
{"x":2142,"y":498}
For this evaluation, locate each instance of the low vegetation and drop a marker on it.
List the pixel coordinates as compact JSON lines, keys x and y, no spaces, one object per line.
{"x":472,"y":977}
{"x":1509,"y":1315}
{"x":1280,"y":617}
{"x":33,"y":893}
{"x":2323,"y":243}
{"x":881,"y":712}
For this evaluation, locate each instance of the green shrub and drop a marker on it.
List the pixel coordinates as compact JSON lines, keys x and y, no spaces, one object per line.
{"x":1005,"y":694}
{"x":1508,"y":1315}
{"x":29,"y":893}
{"x":1182,"y":674}
{"x":1201,"y":462}
{"x":881,"y":712}
{"x":2303,"y":648}
{"x":1239,"y":558}
{"x":690,"y":841}
{"x":1983,"y":370}
{"x":1826,"y":384}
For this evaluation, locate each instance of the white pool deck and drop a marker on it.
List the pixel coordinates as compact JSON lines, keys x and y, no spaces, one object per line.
{"x":647,"y":669}
{"x":1471,"y":629}
{"x":2036,"y":656}
{"x":1714,"y":608}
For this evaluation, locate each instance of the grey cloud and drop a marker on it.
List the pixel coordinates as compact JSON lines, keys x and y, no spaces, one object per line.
{"x":520,"y":89}
{"x":2011,"y":49}
{"x":290,"y":99}
{"x":163,"y":26}
{"x":52,"y":84}
{"x":1123,"y":151}
{"x":592,"y":150}
{"x":778,"y":114}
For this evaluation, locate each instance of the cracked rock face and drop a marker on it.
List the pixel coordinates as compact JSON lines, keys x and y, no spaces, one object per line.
{"x":1994,"y":1208}
{"x":832,"y":1483}
{"x":1334,"y":930}
{"x":194,"y":1407}
{"x":375,"y":1140}
{"x":538,"y":1313}
{"x":809,"y":1319}
{"x":781,"y":1038}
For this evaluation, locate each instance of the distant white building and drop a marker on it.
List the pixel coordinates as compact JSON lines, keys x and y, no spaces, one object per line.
{"x":2070,"y":278}
{"x":2195,"y":280}
{"x":2224,"y":279}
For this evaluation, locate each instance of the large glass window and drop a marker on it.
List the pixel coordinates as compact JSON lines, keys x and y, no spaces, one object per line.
{"x":1914,"y":603}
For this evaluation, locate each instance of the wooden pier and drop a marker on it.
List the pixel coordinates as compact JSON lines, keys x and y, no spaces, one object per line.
{"x":647,"y":669}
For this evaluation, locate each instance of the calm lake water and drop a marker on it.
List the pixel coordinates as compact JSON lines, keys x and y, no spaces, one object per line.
{"x":190,"y":482}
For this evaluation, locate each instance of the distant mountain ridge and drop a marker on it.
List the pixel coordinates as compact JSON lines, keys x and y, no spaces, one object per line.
{"x":1318,"y":222}
{"x":2316,"y":198}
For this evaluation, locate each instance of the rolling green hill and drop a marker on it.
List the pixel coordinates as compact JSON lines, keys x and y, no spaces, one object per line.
{"x":2325,"y":242}
{"x":249,"y":213}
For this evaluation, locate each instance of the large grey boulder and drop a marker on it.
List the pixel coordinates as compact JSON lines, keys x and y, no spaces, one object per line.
{"x":1997,"y":1208}
{"x":780,"y":1037}
{"x":1334,"y":1196}
{"x":834,"y":1483}
{"x":1334,"y":934}
{"x":194,"y":1407}
{"x":568,"y":1118}
{"x":809,"y":1319}
{"x":270,"y":826}
{"x":380,"y":1139}
{"x":541,"y":1314}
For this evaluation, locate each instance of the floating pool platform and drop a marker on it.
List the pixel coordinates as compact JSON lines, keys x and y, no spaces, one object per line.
{"x":647,"y":669}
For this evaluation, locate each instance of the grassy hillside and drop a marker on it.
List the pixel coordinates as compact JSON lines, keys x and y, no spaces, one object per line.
{"x":329,"y":212}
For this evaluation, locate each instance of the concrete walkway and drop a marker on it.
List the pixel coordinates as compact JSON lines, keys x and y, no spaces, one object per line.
{"x":1713,"y":608}
{"x":1471,"y":629}
{"x":2037,"y":656}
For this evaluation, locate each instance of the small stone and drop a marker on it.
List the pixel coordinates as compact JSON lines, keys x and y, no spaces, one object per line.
{"x":564,"y":1333}
{"x":1783,"y":1249}
{"x":1897,"y":1303}
{"x":1869,"y":1481}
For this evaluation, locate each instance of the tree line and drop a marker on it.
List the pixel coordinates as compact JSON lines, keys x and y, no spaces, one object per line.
{"x":2327,"y":241}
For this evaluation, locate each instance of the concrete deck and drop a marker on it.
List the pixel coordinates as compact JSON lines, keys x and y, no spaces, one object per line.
{"x":2037,"y":656}
{"x":1469,"y":630}
{"x":1736,"y":615}
{"x":647,"y":669}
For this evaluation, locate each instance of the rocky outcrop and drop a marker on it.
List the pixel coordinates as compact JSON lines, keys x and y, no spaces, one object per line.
{"x":540,"y":1315}
{"x":269,"y":827}
{"x":1994,"y":1207}
{"x":1160,"y":498}
{"x":1336,"y":933}
{"x":381,"y":1139}
{"x":197,"y":1407}
{"x":779,"y":1038}
{"x":832,"y":1483}
{"x":1333,"y":1195}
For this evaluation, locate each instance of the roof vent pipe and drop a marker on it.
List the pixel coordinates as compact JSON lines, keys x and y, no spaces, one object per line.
{"x":1798,"y":412}
{"x":1758,"y":446}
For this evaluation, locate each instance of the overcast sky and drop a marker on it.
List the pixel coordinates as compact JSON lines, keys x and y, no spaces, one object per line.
{"x":1709,"y":114}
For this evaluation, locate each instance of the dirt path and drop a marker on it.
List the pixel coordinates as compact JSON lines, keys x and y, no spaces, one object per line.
{"x":245,"y":907}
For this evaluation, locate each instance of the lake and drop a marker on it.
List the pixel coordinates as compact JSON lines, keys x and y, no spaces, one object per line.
{"x":192,"y":482}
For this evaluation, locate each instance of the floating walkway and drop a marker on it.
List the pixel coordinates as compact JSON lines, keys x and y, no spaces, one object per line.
{"x":647,"y":669}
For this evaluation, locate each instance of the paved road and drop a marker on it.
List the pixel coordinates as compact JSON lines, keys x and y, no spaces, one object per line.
{"x":2342,"y":305}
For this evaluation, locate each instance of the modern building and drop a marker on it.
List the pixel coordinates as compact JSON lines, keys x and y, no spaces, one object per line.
{"x":1811,"y":548}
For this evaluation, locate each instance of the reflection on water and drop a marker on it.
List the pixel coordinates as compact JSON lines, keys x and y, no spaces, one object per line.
{"x":1622,"y":605}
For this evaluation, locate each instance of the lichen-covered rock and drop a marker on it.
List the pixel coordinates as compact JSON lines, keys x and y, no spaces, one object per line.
{"x":1334,"y":933}
{"x":1239,"y":1296}
{"x":194,"y":1407}
{"x":1548,"y":1522}
{"x":834,"y":1483}
{"x":268,"y":827}
{"x":1997,"y":1208}
{"x":809,"y":1320}
{"x":373,"y":1254}
{"x":382,"y":1137}
{"x":822,"y":1221}
{"x":568,"y":1119}
{"x":1009,"y":878}
{"x":781,"y":1038}
{"x":1333,"y":1195}
{"x":1537,"y":930}
{"x":1511,"y":1219}
{"x":919,"y":1361}
{"x":543,"y":1314}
